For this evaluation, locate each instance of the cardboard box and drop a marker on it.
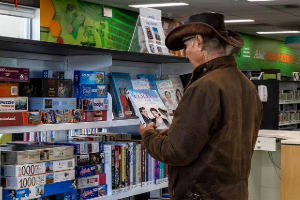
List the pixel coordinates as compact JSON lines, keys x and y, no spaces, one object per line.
{"x":94,"y":116}
{"x":87,"y":193}
{"x":37,"y":180}
{"x":87,"y":182}
{"x":53,"y":74}
{"x":9,"y":89}
{"x":39,"y":103}
{"x":81,"y":147}
{"x":90,"y":170}
{"x":12,"y":74}
{"x":90,"y":91}
{"x":19,"y":118}
{"x":37,"y":168}
{"x":82,"y":160}
{"x":17,"y":104}
{"x":89,"y":77}
{"x":73,"y":116}
{"x":39,"y":191}
{"x":26,"y":154}
{"x":102,"y":190}
{"x":93,"y":104}
{"x":39,"y":87}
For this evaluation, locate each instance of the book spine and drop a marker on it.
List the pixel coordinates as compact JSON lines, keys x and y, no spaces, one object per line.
{"x":134,"y":165}
{"x":117,"y":167}
{"x":123,"y":166}
{"x":156,"y":171}
{"x":114,"y":88}
{"x":146,"y":167}
{"x":153,"y":170}
{"x":127,"y":179}
{"x":143,"y":162}
{"x":131,"y":165}
{"x":107,"y":153}
{"x":149,"y":169}
{"x":113,"y":167}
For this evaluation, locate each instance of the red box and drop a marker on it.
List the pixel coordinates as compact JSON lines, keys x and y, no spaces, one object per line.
{"x":9,"y":89}
{"x":102,"y":179}
{"x":19,"y":118}
{"x":12,"y":74}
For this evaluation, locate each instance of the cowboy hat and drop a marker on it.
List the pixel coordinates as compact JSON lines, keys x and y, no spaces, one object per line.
{"x":208,"y":24}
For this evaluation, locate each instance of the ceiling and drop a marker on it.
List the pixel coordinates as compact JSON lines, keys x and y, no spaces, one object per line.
{"x":269,"y":16}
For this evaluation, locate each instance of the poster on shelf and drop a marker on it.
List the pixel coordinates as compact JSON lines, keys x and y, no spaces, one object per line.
{"x":153,"y":31}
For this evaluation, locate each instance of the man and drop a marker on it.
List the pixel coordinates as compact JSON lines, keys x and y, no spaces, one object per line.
{"x":145,"y":115}
{"x":210,"y":142}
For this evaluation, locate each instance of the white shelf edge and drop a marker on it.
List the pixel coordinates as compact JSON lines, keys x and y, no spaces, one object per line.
{"x":68,"y":126}
{"x":133,"y":192}
{"x":291,"y":123}
{"x":289,"y":102}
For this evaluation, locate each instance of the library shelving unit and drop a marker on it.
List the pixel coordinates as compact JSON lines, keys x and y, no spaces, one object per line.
{"x":38,"y":56}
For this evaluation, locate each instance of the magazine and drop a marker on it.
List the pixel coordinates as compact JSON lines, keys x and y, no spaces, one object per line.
{"x":120,"y":84}
{"x":150,"y":108}
{"x":167,"y":95}
{"x":177,"y":85}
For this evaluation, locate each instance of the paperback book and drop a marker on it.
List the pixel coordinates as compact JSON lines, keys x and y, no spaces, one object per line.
{"x":177,"y":85}
{"x":167,"y":94}
{"x":150,"y":108}
{"x":120,"y":84}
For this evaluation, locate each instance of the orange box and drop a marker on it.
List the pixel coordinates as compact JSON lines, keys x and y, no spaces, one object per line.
{"x":9,"y":89}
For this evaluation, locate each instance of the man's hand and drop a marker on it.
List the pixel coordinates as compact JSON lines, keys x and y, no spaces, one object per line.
{"x":150,"y":126}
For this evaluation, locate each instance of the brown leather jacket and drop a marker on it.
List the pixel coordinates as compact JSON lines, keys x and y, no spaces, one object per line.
{"x":211,"y":139}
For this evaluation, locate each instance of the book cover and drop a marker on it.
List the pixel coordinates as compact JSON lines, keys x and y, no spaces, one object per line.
{"x":150,"y":108}
{"x":108,"y":157}
{"x":120,"y":85}
{"x":150,"y":78}
{"x":167,"y":94}
{"x":177,"y":85}
{"x":140,"y":84}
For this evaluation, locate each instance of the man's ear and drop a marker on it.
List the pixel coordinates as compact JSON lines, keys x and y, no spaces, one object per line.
{"x":199,"y":39}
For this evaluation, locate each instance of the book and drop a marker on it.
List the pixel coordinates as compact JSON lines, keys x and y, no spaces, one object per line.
{"x":167,"y":94}
{"x":140,"y":84}
{"x":150,"y":78}
{"x":177,"y":85}
{"x":120,"y":84}
{"x":150,"y":108}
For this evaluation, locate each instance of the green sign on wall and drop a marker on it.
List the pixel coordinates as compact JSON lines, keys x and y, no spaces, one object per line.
{"x":82,"y":23}
{"x":263,"y":53}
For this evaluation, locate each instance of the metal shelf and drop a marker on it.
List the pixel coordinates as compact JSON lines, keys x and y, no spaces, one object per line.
{"x":134,"y":192}
{"x":290,"y":123}
{"x":40,"y":47}
{"x":289,"y":102}
{"x":68,"y":126}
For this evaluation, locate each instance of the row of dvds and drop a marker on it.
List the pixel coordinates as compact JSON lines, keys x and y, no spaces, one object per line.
{"x":131,"y":167}
{"x":289,"y":95}
{"x":289,"y":116}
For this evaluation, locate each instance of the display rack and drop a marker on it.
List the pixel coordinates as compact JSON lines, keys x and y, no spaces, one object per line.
{"x":291,"y":102}
{"x":291,"y":123}
{"x":134,"y":192}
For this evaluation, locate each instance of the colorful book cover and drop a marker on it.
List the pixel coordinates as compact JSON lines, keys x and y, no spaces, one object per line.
{"x":167,"y":94}
{"x":120,"y":85}
{"x":117,"y":168}
{"x":150,"y":108}
{"x":177,"y":85}
{"x":150,"y":78}
{"x":140,"y":84}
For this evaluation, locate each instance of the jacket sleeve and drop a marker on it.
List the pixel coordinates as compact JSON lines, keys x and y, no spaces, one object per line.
{"x":196,"y":116}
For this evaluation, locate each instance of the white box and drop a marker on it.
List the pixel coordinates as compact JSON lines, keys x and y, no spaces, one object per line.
{"x":267,"y":144}
{"x":89,"y":181}
{"x":36,"y":180}
{"x":37,"y":168}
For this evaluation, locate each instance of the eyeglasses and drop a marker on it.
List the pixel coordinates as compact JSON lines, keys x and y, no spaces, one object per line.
{"x":185,"y":40}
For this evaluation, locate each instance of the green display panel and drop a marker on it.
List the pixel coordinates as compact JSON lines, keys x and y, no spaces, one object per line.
{"x":264,"y":53}
{"x":82,"y":23}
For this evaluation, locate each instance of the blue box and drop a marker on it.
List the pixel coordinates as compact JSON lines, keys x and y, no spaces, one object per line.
{"x":87,"y":193}
{"x":38,"y":103}
{"x":89,"y":170}
{"x":40,"y":191}
{"x":89,"y":77}
{"x":90,"y":91}
{"x":102,"y":190}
